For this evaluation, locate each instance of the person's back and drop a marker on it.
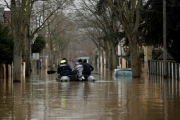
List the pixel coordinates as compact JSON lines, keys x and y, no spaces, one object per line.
{"x":87,"y":68}
{"x":64,"y":68}
{"x":79,"y":69}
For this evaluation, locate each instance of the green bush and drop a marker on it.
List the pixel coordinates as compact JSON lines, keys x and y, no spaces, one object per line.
{"x":39,"y":44}
{"x":6,"y":44}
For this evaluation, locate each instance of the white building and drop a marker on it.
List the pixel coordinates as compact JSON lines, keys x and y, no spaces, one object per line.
{"x":123,"y":63}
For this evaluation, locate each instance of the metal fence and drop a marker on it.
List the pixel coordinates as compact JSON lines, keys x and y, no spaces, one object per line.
{"x":156,"y":67}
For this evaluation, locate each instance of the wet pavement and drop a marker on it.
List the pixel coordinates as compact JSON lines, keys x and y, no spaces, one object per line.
{"x":41,"y":97}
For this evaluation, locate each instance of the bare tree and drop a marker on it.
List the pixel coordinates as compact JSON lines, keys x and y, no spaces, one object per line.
{"x":60,"y":34}
{"x":128,"y":13}
{"x":21,"y":13}
{"x":103,"y":28}
{"x":41,"y":13}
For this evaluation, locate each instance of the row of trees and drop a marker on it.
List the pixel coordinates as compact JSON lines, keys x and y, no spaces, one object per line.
{"x":139,"y":22}
{"x":58,"y":26}
{"x":61,"y":32}
{"x":23,"y":12}
{"x":105,"y":22}
{"x":110,"y":22}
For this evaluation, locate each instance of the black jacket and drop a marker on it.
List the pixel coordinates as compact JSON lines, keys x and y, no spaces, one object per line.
{"x":65,"y":71}
{"x":87,"y":68}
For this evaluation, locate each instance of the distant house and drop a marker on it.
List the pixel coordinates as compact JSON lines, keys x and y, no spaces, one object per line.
{"x":7,"y":18}
{"x":122,"y":60}
{"x":1,"y":14}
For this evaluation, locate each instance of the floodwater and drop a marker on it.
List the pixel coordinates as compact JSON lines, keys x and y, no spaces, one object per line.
{"x":41,"y":97}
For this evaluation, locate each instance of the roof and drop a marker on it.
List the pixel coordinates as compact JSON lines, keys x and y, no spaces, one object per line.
{"x":169,"y":56}
{"x":83,"y":58}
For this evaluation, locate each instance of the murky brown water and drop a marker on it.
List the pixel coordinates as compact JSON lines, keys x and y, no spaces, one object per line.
{"x":41,"y":97}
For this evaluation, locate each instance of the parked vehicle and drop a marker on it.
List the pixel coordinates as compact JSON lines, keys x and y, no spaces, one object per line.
{"x":123,"y":72}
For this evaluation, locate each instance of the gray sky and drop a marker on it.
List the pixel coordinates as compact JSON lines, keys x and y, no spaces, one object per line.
{"x":3,"y":4}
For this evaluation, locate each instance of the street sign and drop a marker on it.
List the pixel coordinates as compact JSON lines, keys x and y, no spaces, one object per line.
{"x":36,"y":56}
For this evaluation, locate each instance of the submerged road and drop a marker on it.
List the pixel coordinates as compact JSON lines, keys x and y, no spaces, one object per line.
{"x":41,"y":97}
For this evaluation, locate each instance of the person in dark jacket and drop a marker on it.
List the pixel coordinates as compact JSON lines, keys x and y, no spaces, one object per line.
{"x":87,"y":68}
{"x":64,"y":68}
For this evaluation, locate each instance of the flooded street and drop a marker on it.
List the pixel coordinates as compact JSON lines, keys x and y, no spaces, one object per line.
{"x":42,"y":97}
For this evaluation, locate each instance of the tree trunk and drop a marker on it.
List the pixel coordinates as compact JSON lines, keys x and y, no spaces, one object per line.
{"x":134,"y":56}
{"x":59,"y":59}
{"x":28,"y":57}
{"x":90,"y":58}
{"x":102,"y":58}
{"x":17,"y":67}
{"x":99,"y":49}
{"x":96,"y":56}
{"x":107,"y":55}
{"x":112,"y":54}
{"x":164,"y":40}
{"x":19,"y":31}
{"x":17,"y":59}
{"x":51,"y":60}
{"x":111,"y":59}
{"x":56,"y":59}
{"x":107,"y":59}
{"x":114,"y":58}
{"x":17,"y":43}
{"x":61,"y":54}
{"x":93,"y":58}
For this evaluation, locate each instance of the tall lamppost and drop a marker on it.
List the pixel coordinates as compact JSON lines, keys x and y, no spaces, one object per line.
{"x":164,"y":39}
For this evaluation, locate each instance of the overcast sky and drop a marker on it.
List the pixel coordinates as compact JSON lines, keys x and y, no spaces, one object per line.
{"x":3,"y":4}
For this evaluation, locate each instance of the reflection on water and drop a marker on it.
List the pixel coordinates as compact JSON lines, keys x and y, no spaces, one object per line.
{"x":41,"y":97}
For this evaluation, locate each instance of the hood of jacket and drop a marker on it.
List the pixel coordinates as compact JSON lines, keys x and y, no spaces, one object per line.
{"x":79,"y":66}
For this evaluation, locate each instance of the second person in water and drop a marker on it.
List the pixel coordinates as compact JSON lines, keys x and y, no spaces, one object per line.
{"x":87,"y":68}
{"x":83,"y":69}
{"x":79,"y":69}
